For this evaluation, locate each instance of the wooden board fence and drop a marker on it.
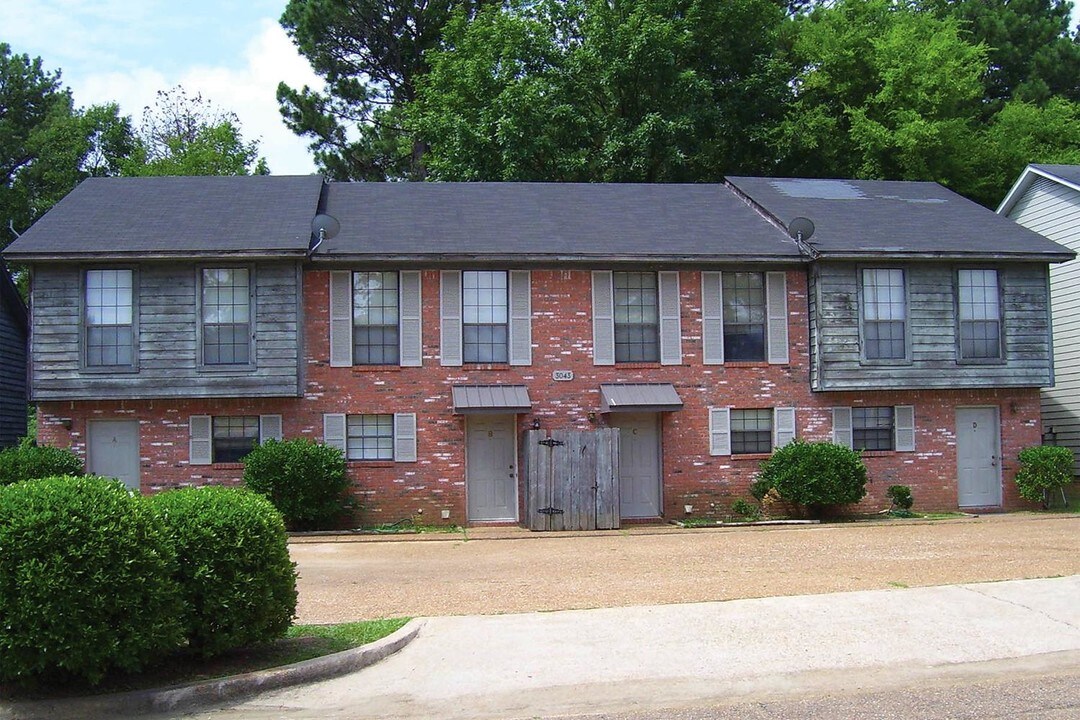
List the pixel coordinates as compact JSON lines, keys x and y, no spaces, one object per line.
{"x":572,"y":479}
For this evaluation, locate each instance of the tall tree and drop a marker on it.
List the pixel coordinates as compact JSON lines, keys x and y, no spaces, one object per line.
{"x":46,"y":144}
{"x":591,"y":90}
{"x":1033,"y":52}
{"x":188,"y":135}
{"x":370,"y":53}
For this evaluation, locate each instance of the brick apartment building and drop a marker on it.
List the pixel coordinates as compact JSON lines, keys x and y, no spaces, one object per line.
{"x":178,"y":321}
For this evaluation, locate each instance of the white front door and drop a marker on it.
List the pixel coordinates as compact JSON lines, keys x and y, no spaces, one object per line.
{"x":491,"y":467}
{"x":639,"y":464}
{"x":113,"y":450}
{"x":978,"y":457}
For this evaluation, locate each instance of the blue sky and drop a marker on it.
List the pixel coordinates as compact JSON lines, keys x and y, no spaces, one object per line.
{"x":232,"y":51}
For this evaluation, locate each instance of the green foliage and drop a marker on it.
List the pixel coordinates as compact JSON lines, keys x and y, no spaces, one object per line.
{"x":306,"y":481}
{"x":900,"y":496}
{"x":816,"y":475}
{"x":188,"y":135}
{"x":760,"y":487}
{"x":86,"y":581}
{"x":1043,"y":468}
{"x":587,"y":90}
{"x":746,"y":510}
{"x":29,"y":461}
{"x":238,"y":583}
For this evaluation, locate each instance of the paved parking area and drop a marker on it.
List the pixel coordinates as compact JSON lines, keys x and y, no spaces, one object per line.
{"x":509,"y":570}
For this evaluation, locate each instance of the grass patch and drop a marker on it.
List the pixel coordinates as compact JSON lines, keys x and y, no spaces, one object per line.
{"x":407,"y":526}
{"x":303,"y":642}
{"x":693,"y":522}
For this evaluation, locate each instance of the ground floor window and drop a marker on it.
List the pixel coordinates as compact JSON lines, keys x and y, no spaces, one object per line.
{"x":234,"y":437}
{"x":872,"y":428}
{"x":751,"y":431}
{"x":370,"y":437}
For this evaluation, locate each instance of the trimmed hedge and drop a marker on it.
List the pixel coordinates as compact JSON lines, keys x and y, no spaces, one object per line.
{"x":305,"y":481}
{"x":28,"y":461}
{"x":1043,"y":468}
{"x":237,"y":580}
{"x":817,"y":475}
{"x":87,"y":580}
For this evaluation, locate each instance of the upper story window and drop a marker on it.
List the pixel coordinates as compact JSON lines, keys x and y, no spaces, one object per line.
{"x":980,"y":315}
{"x":744,"y":316}
{"x":884,"y":314}
{"x":226,"y":316}
{"x":485,"y":316}
{"x":637,"y":332}
{"x":376,"y":339}
{"x":234,"y":437}
{"x":110,"y":314}
{"x":872,"y":428}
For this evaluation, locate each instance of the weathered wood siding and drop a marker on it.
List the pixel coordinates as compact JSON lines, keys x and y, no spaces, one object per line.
{"x":167,"y":345}
{"x":1053,"y":210}
{"x":932,"y":320}
{"x":12,"y":376}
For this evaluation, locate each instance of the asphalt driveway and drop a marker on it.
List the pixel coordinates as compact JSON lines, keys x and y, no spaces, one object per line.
{"x":509,"y":570}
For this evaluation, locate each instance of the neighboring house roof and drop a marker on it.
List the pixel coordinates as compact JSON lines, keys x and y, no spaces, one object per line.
{"x":10,"y":298}
{"x":1067,"y":175}
{"x":870,"y":218}
{"x":176,"y":216}
{"x":545,"y":221}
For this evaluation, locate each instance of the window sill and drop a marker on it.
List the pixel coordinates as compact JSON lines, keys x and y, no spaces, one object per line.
{"x":375,"y":368}
{"x":109,"y":370}
{"x":749,"y":364}
{"x":878,"y":453}
{"x":751,"y":456}
{"x":227,"y":465}
{"x":371,"y":463}
{"x":643,"y":365}
{"x":226,"y":369}
{"x":485,"y":366}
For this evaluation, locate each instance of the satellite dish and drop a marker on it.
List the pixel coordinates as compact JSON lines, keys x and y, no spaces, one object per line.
{"x":800,"y":229}
{"x":323,"y":227}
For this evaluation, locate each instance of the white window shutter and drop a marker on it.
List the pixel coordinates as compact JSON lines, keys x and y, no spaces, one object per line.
{"x":269,"y":427}
{"x":200,"y":448}
{"x":334,"y":431}
{"x":712,"y":318}
{"x":841,"y":426}
{"x":411,"y":340}
{"x":670,"y":320}
{"x":783,"y":426}
{"x":520,"y":317}
{"x":341,"y":319}
{"x":777,"y":315}
{"x":719,"y":431}
{"x":450,"y":312}
{"x":904,"y":420}
{"x":405,"y":437}
{"x":603,"y":310}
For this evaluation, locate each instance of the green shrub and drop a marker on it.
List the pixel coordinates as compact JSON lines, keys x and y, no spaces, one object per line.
{"x":760,"y":488}
{"x":28,"y":461}
{"x":900,"y":496}
{"x":304,"y":480}
{"x":235,"y":575}
{"x":746,"y":510}
{"x":1043,"y":468}
{"x":86,"y":581}
{"x":815,"y":475}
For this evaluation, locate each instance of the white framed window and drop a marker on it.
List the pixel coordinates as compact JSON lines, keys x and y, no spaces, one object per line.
{"x":736,"y":431}
{"x":637,"y":316}
{"x":109,"y":318}
{"x":372,"y":436}
{"x":375,"y":308}
{"x":485,"y":316}
{"x":744,"y":316}
{"x":226,"y":316}
{"x":979,"y":313}
{"x":875,"y":428}
{"x":228,"y":438}
{"x":884,"y":314}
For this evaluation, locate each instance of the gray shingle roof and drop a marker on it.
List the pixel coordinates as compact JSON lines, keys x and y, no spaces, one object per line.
{"x":855,"y":218}
{"x":176,"y":216}
{"x":1068,"y":173}
{"x":548,"y":220}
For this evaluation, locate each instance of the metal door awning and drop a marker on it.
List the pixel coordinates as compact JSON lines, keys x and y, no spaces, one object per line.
{"x":491,"y":399}
{"x":639,"y":397}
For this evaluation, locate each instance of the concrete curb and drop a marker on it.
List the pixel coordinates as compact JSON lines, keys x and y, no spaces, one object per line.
{"x":185,"y":698}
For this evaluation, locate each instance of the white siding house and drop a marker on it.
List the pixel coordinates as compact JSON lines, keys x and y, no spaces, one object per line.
{"x":1046,"y":199}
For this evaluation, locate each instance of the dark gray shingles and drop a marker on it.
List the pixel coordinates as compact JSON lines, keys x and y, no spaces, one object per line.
{"x":177,"y":215}
{"x":1068,"y":173}
{"x":548,"y":219}
{"x":884,"y":217}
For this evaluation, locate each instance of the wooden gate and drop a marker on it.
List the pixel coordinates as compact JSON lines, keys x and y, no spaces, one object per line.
{"x":573,"y":479}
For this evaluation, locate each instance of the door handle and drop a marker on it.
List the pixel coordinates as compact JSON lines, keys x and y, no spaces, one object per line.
{"x":993,"y":461}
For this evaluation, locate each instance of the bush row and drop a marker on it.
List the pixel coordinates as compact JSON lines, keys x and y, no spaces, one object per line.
{"x":30,"y":461}
{"x":95,"y":579}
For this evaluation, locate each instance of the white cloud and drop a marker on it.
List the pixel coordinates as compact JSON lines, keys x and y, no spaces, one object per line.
{"x":248,"y":90}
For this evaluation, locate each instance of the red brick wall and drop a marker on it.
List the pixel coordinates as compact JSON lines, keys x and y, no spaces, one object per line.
{"x":562,"y":339}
